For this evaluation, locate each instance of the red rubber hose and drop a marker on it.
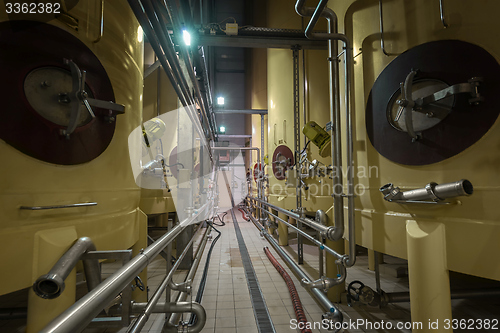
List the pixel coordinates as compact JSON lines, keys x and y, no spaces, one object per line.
{"x":243,"y":214}
{"x":297,"y":305}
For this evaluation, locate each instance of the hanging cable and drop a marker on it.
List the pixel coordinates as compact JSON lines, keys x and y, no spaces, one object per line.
{"x":203,"y":281}
{"x":305,"y":147}
{"x":221,"y":219}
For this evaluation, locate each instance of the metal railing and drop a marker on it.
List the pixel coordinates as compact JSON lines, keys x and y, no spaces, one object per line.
{"x":80,"y":314}
{"x":322,"y":282}
{"x":345,"y":258}
{"x":143,"y":318}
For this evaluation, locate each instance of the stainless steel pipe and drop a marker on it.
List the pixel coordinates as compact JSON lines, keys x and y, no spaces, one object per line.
{"x":160,"y":10}
{"x":312,"y":239}
{"x":151,"y":9}
{"x":431,"y":191}
{"x":332,"y":36}
{"x":80,"y":314}
{"x":179,"y":307}
{"x":162,"y":44}
{"x":181,"y":297}
{"x":333,"y":312}
{"x":328,"y":232}
{"x":149,"y":32}
{"x":324,"y":282}
{"x":335,"y":117}
{"x":193,"y":307}
{"x":51,"y":285}
{"x":141,"y":321}
{"x":143,"y":318}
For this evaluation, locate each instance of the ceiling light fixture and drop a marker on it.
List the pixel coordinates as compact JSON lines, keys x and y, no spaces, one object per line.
{"x":187,"y":37}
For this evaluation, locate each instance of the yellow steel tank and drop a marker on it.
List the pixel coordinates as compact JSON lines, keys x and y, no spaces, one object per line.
{"x":445,"y":46}
{"x":54,"y":158}
{"x":314,"y":97}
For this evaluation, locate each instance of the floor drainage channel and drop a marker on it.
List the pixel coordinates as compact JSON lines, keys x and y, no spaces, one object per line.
{"x":262,"y":317}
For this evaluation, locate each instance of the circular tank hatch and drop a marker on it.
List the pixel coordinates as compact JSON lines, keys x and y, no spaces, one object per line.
{"x":34,"y":111}
{"x":444,"y":128}
{"x":47,"y":90}
{"x":429,"y":116}
{"x":283,"y":160}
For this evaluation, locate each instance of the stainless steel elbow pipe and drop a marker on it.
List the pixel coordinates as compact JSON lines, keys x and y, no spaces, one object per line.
{"x":177,"y":307}
{"x":324,"y":282}
{"x":431,"y":192}
{"x":193,"y":307}
{"x":183,"y":286}
{"x":51,"y":285}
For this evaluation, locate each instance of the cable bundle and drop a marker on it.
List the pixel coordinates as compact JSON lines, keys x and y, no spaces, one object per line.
{"x":203,"y":281}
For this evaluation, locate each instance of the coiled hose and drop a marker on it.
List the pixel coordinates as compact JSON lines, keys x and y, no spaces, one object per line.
{"x":297,"y":305}
{"x":203,"y":281}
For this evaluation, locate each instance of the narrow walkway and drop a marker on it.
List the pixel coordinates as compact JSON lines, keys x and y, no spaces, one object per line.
{"x":227,"y":298}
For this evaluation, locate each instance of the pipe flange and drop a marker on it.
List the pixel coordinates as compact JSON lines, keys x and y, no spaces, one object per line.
{"x":49,"y":286}
{"x":390,"y":192}
{"x":325,"y":281}
{"x":430,"y":191}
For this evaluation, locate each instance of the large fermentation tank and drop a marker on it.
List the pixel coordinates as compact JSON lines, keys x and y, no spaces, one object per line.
{"x":43,"y":167}
{"x":447,"y":45}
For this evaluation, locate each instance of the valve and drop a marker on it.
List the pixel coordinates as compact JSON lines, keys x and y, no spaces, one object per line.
{"x":138,"y":284}
{"x":79,"y":98}
{"x":357,"y":291}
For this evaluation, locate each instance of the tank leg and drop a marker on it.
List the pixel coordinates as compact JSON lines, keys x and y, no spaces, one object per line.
{"x":341,"y":246}
{"x":371,"y":259}
{"x":162,"y":220}
{"x":429,"y":277}
{"x":283,"y":230}
{"x":270,"y":230}
{"x":168,"y":291}
{"x":139,"y":295}
{"x":49,"y":246}
{"x":182,"y":240}
{"x":335,"y":292}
